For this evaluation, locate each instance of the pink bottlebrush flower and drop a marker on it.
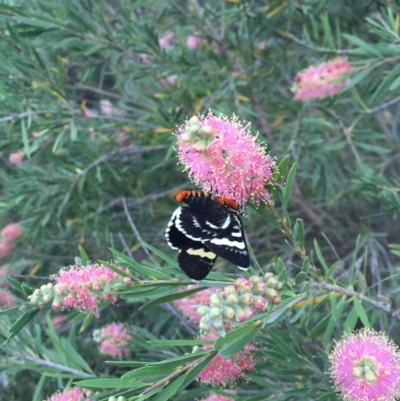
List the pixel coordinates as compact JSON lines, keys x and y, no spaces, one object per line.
{"x":75,"y":394}
{"x":5,"y":248}
{"x":11,"y":232}
{"x":194,"y":41}
{"x":220,"y":371}
{"x":112,"y":339}
{"x":323,"y":80}
{"x":81,"y":288}
{"x":185,"y":305}
{"x":88,"y":113}
{"x":16,"y":158}
{"x":6,"y":299}
{"x":215,"y":397}
{"x":365,"y":366}
{"x":166,"y":41}
{"x":144,"y":58}
{"x":106,"y":107}
{"x":223,"y":158}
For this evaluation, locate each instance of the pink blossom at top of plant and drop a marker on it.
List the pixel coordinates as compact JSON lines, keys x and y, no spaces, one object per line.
{"x":323,"y":80}
{"x":112,"y":339}
{"x":12,"y":232}
{"x":198,"y":298}
{"x":75,"y":394}
{"x":166,"y":41}
{"x":81,"y":287}
{"x":215,"y":397}
{"x":365,"y":366}
{"x":221,"y":371}
{"x":223,"y":158}
{"x":5,"y":248}
{"x":106,"y":107}
{"x":194,"y":41}
{"x":16,"y":158}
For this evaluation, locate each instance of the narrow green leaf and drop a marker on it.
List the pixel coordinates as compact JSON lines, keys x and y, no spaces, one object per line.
{"x":162,"y":255}
{"x":366,"y":47}
{"x":327,"y":31}
{"x":73,"y":131}
{"x":234,"y":336}
{"x":84,"y":257}
{"x":300,"y":278}
{"x":319,"y":255}
{"x":289,"y":185}
{"x":109,"y":383}
{"x":298,"y":231}
{"x":171,"y":297}
{"x":25,"y":139}
{"x":178,"y":343}
{"x":21,"y":322}
{"x":237,"y":346}
{"x":20,"y":287}
{"x":361,"y":312}
{"x":351,"y":321}
{"x":171,"y":389}
{"x":194,"y":372}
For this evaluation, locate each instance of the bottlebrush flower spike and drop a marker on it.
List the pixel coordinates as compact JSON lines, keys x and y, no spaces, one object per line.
{"x":11,"y":232}
{"x":365,"y":366}
{"x":223,"y":158}
{"x":323,"y":80}
{"x":81,"y":288}
{"x":112,"y":339}
{"x":75,"y":394}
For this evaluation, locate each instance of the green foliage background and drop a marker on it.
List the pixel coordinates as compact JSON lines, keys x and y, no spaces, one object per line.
{"x":79,"y":180}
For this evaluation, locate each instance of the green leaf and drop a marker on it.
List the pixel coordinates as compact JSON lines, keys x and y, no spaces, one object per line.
{"x":171,"y":389}
{"x":361,"y":312}
{"x":109,"y":383}
{"x":234,"y":336}
{"x":162,"y":255}
{"x":21,"y":322}
{"x":289,"y":185}
{"x":300,"y":277}
{"x":351,"y":321}
{"x":298,"y":231}
{"x":171,"y":297}
{"x":20,"y":287}
{"x":25,"y":139}
{"x":319,"y":255}
{"x":237,"y":346}
{"x":367,"y":48}
{"x":84,"y":257}
{"x":178,"y":343}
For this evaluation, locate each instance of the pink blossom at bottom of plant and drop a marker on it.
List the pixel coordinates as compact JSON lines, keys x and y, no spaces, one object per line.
{"x":112,"y":339}
{"x":6,"y":300}
{"x":106,"y":107}
{"x":16,"y":158}
{"x":194,"y":41}
{"x":323,"y":80}
{"x":365,"y":366}
{"x":5,"y":248}
{"x":221,"y":371}
{"x":215,"y":397}
{"x":166,"y":41}
{"x":75,"y":394}
{"x":185,"y":305}
{"x":12,"y":232}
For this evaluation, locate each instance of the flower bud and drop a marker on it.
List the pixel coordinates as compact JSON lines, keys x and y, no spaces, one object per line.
{"x":218,"y":324}
{"x":248,"y":312}
{"x":272,"y":282}
{"x":112,"y":398}
{"x":127,"y":280}
{"x":271,"y":293}
{"x":195,"y":349}
{"x":255,"y":279}
{"x":240,"y":315}
{"x":246,"y":299}
{"x":37,"y":292}
{"x":205,"y":323}
{"x":261,"y":288}
{"x":244,"y":285}
{"x":47,"y":298}
{"x":268,"y":275}
{"x":230,"y":289}
{"x":215,"y":300}
{"x":215,"y":312}
{"x":49,"y":286}
{"x":232,"y":299}
{"x":202,"y":310}
{"x":229,"y":312}
{"x":260,"y":303}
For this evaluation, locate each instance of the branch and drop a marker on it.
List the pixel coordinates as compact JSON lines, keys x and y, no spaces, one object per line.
{"x":15,"y":116}
{"x":350,"y":293}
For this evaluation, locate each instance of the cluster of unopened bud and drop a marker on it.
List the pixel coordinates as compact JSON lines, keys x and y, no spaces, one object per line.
{"x":199,"y":137}
{"x":114,"y":398}
{"x":240,"y":301}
